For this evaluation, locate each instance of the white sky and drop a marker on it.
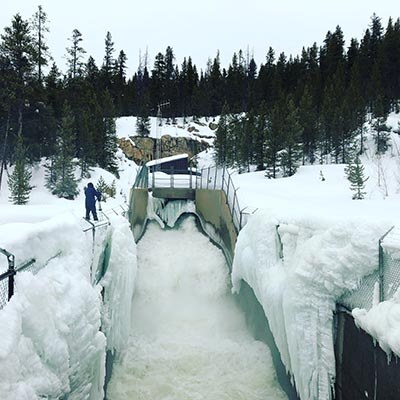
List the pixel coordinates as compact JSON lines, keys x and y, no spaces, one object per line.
{"x":199,"y":29}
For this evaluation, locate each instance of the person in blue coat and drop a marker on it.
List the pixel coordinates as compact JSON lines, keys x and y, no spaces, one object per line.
{"x":90,"y":200}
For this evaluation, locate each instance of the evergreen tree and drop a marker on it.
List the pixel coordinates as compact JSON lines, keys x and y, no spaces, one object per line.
{"x":19,"y":180}
{"x":143,"y":125}
{"x":108,"y":62}
{"x":61,"y":177}
{"x":356,"y":175}
{"x":40,"y":28}
{"x":109,"y":145}
{"x":291,"y":153}
{"x":381,"y":134}
{"x":260,"y":132}
{"x":274,"y":138}
{"x":221,"y":141}
{"x":92,"y":71}
{"x":75,"y":55}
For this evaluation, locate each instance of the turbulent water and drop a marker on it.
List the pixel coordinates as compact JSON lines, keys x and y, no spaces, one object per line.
{"x":188,"y":338}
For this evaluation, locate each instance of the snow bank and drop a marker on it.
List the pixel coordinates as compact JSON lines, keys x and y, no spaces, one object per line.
{"x":321,"y":258}
{"x":382,"y":322}
{"x":119,"y":283}
{"x":51,"y":345}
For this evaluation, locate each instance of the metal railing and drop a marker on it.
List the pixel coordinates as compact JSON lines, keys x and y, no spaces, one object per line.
{"x":7,"y":278}
{"x":211,"y":178}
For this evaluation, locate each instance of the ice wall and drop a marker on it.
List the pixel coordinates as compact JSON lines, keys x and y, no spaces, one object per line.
{"x":168,"y":212}
{"x":320,"y":261}
{"x":119,"y":283}
{"x":50,"y":341}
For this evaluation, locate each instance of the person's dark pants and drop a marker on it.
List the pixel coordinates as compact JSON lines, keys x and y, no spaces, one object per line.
{"x":92,"y":210}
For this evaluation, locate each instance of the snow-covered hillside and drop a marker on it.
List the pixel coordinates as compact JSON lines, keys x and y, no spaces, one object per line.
{"x":329,"y":244}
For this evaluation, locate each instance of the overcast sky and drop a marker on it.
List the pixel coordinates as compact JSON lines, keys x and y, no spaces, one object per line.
{"x":198,"y":29}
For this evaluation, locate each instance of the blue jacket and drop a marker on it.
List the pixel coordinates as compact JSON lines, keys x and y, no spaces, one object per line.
{"x":90,"y":196}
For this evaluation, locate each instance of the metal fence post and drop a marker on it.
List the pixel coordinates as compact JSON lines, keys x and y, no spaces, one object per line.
{"x":381,"y":288}
{"x":215,"y":178}
{"x":227,"y":190}
{"x":10,"y":272}
{"x":208,"y":176}
{"x":381,"y":267}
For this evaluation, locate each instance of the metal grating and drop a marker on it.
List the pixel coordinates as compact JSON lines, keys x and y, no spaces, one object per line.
{"x":3,"y":293}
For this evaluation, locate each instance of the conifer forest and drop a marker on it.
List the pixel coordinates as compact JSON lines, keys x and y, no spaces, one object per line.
{"x":287,"y":110}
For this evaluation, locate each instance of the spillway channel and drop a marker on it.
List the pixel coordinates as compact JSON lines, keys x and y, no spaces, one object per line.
{"x":188,"y":338}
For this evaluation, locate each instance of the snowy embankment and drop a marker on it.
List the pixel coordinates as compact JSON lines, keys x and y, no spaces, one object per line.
{"x":51,"y":341}
{"x":320,"y":261}
{"x":308,"y":243}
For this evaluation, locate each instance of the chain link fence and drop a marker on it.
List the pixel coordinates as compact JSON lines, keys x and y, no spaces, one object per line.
{"x":383,"y":283}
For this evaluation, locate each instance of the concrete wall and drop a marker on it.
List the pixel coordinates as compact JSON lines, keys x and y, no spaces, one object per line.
{"x":362,"y":367}
{"x":138,"y":211}
{"x":212,"y":208}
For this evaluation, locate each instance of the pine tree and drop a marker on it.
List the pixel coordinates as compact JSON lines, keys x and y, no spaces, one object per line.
{"x":19,"y":180}
{"x":103,"y":188}
{"x":221,"y":137}
{"x":75,"y":54}
{"x":355,"y":174}
{"x":108,"y":66}
{"x":62,"y":179}
{"x":381,"y":134}
{"x":291,"y":154}
{"x":109,"y":145}
{"x":40,"y":28}
{"x":143,"y":125}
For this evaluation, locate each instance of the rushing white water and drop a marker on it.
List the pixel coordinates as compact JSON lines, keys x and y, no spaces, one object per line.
{"x":188,"y":338}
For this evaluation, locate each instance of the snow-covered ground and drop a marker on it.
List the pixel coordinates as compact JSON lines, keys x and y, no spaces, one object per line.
{"x":329,"y":244}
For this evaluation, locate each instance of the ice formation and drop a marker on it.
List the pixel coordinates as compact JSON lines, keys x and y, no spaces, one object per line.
{"x":51,"y":341}
{"x":168,"y":212}
{"x":119,"y":284}
{"x":298,"y":285}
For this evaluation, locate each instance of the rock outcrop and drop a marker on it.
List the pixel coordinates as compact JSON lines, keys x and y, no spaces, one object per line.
{"x":140,"y":149}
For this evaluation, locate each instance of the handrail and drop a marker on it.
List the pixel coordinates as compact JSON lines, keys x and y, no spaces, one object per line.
{"x":211,"y":178}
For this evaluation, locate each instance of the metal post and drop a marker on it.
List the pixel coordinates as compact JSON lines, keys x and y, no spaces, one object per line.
{"x":11,"y":269}
{"x":381,"y":294}
{"x":208,"y":176}
{"x":223,"y":178}
{"x":381,"y":267}
{"x":234,"y":200}
{"x":227,"y":191}
{"x":215,"y":178}
{"x":10,"y":272}
{"x":201,"y":178}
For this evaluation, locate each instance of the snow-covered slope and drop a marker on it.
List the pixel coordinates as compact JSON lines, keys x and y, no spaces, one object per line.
{"x":329,"y":243}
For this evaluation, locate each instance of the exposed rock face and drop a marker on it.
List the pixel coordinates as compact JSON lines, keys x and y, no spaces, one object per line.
{"x":139,"y":148}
